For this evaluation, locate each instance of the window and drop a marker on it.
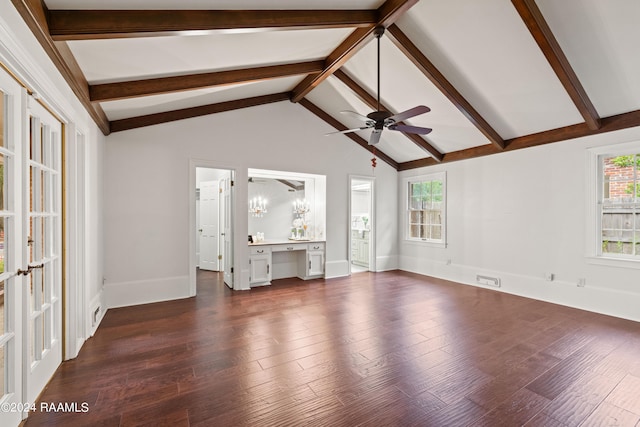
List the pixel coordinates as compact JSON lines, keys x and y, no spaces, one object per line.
{"x":426,"y":202}
{"x":619,"y":205}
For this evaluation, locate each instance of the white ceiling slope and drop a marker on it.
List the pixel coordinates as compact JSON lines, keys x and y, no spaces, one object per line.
{"x":501,"y":89}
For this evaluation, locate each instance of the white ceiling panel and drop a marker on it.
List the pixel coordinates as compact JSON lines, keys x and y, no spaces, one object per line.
{"x":485,"y":50}
{"x":104,"y":61}
{"x":598,"y":39}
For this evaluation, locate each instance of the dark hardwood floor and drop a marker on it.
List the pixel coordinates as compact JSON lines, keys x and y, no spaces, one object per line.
{"x":385,"y":349}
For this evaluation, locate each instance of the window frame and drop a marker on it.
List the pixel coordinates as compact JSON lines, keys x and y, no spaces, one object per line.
{"x":407,"y":182}
{"x":595,"y":189}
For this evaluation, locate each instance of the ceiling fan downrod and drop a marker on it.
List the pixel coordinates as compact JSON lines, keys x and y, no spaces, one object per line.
{"x":379,"y":31}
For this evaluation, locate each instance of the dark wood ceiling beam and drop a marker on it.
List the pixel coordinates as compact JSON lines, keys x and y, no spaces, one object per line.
{"x":102,"y":24}
{"x":146,"y":87}
{"x":188,"y":113}
{"x":34,"y":14}
{"x":608,"y":124}
{"x":372,"y":102}
{"x":414,"y":54}
{"x":387,"y":14}
{"x":539,"y":29}
{"x":353,"y":136}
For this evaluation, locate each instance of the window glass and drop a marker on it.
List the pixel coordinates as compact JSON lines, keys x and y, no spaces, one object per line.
{"x":426,"y":208}
{"x":620,"y":206}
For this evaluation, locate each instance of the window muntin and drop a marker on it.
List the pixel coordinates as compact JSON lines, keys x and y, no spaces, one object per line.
{"x":426,"y":208}
{"x":619,"y":206}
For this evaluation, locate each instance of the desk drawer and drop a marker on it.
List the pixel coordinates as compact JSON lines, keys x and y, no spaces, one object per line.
{"x":259,"y":250}
{"x":289,"y":247}
{"x":315,"y":246}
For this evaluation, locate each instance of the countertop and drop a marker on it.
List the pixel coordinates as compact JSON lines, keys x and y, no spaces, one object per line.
{"x":284,"y":242}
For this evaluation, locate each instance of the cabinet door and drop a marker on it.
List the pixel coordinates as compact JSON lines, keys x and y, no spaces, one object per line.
{"x":260,"y":269}
{"x":315,"y":263}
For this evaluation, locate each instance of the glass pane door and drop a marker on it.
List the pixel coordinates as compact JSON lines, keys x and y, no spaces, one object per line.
{"x":43,"y":250}
{"x":11,"y":302}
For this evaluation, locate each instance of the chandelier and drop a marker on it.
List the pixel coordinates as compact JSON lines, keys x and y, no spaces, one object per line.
{"x":258,"y":207}
{"x":300,"y":207}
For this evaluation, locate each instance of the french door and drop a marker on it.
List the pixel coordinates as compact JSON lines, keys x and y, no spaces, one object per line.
{"x":30,"y":249}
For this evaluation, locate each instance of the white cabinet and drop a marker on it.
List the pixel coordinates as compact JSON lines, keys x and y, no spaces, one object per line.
{"x":271,"y":261}
{"x":315,"y":260}
{"x":360,"y":247}
{"x":260,"y":266}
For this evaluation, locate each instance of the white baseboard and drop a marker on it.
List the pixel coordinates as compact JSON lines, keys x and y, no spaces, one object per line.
{"x":387,"y":263}
{"x":333,"y":269}
{"x":123,"y":294}
{"x":591,"y":298}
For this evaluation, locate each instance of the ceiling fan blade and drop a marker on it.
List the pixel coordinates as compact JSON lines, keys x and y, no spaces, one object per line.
{"x":375,"y":137}
{"x":348,"y":130}
{"x":412,"y":112}
{"x":356,"y":115}
{"x":411,"y":129}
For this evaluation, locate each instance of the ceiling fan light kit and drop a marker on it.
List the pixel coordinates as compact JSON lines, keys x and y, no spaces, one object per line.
{"x":379,"y":120}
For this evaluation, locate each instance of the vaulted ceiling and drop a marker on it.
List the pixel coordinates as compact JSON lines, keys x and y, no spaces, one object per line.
{"x":498,"y":75}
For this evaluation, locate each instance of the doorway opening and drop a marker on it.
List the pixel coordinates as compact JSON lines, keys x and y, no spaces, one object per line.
{"x":212,"y":224}
{"x":362,"y":225}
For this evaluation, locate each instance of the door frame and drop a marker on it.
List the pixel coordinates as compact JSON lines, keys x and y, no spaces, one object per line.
{"x":75,"y":275}
{"x":372,"y":220}
{"x":192,"y":232}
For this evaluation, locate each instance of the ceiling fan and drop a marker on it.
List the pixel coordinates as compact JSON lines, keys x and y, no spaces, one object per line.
{"x":380,"y":119}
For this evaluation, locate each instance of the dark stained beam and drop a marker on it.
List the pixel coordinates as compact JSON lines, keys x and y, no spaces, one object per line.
{"x":187,"y":113}
{"x":131,"y":89}
{"x":34,"y":14}
{"x":387,"y":14}
{"x":414,"y":54}
{"x":539,"y":29}
{"x":101,"y":24}
{"x":608,"y":124}
{"x":353,"y":136}
{"x":372,"y":102}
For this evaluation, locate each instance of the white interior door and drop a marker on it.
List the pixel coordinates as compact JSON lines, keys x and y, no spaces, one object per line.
{"x":11,"y":243}
{"x":41,"y":258}
{"x":227,"y":194}
{"x":209,"y":226}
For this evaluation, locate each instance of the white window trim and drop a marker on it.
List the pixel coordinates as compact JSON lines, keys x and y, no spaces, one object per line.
{"x":593,"y":232}
{"x":442,"y":243}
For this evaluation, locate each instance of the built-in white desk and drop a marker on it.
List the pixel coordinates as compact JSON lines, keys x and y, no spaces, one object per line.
{"x":271,"y":260}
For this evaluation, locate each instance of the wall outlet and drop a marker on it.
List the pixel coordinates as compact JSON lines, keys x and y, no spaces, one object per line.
{"x":582,"y":282}
{"x":549,"y":277}
{"x":449,"y":261}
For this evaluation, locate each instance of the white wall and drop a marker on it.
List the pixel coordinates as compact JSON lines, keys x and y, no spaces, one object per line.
{"x":522,"y":214}
{"x":146,"y":192}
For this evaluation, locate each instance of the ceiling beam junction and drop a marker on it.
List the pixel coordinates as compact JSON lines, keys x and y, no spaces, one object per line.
{"x":387,"y":14}
{"x":34,"y":13}
{"x":352,"y":135}
{"x":580,"y":130}
{"x":544,"y":37}
{"x":372,"y":102}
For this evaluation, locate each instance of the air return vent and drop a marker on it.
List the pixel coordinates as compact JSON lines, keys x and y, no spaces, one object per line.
{"x":487,"y":280}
